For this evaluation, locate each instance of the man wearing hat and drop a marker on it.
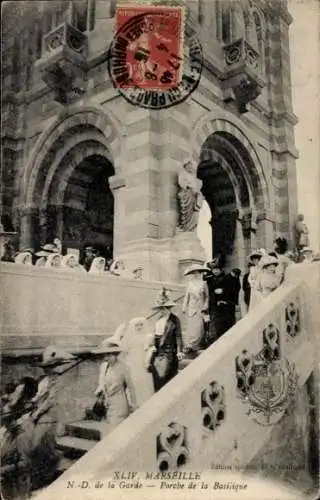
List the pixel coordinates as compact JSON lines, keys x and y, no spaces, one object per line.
{"x":165,"y":344}
{"x":215,"y":280}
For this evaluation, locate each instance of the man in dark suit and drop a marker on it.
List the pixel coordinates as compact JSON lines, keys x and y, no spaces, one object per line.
{"x":214,"y":278}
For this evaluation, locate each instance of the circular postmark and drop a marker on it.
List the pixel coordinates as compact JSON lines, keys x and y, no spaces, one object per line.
{"x":152,"y":63}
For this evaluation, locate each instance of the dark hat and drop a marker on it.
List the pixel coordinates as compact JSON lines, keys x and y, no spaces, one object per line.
{"x":163,"y":300}
{"x":236,"y":271}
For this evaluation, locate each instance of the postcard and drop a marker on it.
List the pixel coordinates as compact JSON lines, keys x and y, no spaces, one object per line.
{"x":160,"y":272}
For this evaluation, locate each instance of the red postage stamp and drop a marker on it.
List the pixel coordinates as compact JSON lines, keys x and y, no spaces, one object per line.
{"x":148,"y":50}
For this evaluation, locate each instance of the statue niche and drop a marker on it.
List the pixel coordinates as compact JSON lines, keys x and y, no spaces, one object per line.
{"x":189,"y":198}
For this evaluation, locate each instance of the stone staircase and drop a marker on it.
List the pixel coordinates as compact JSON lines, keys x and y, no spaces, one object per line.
{"x":81,"y":436}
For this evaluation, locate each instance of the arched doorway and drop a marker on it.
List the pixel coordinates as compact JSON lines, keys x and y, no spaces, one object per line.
{"x":69,"y":194}
{"x":230,"y":186}
{"x":87,"y":210}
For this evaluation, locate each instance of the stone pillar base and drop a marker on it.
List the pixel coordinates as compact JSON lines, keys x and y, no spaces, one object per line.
{"x":188,"y":251}
{"x":163,"y":259}
{"x":156,"y":257}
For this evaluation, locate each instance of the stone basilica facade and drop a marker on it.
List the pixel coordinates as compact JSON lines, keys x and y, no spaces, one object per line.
{"x":82,"y":164}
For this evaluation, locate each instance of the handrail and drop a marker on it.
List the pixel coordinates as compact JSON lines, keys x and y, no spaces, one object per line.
{"x":123,"y":439}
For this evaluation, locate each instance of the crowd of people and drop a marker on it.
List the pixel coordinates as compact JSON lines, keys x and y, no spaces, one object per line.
{"x":141,"y":357}
{"x":50,"y":256}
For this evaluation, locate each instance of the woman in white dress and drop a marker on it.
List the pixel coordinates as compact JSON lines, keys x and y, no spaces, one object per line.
{"x":53,"y":261}
{"x":134,"y":350}
{"x":268,"y":279}
{"x":70,"y":262}
{"x":97,"y":266}
{"x":255,"y":293}
{"x":195,"y":305}
{"x":24,"y":257}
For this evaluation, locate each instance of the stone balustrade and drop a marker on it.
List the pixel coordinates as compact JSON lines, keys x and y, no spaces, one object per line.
{"x":37,"y":302}
{"x":201,"y":420}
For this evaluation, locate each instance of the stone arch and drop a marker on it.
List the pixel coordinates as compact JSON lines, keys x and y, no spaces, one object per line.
{"x":89,"y":116}
{"x":234,"y":186}
{"x":66,"y":156}
{"x":207,"y":126}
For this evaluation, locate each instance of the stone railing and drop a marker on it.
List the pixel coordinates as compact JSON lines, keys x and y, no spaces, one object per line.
{"x":204,"y":419}
{"x":38,"y":302}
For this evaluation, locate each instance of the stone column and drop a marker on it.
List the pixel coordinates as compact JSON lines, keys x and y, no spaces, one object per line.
{"x":117,"y":186}
{"x":157,"y":145}
{"x":28,"y":226}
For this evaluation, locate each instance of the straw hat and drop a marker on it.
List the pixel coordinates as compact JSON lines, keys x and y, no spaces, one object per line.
{"x":256,"y":253}
{"x":306,"y":250}
{"x":46,"y":250}
{"x":53,"y":356}
{"x":108,"y":347}
{"x":196,"y":268}
{"x":268,"y":260}
{"x":163,"y":300}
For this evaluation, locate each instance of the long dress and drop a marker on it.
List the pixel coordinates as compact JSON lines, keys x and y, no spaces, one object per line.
{"x":44,"y":454}
{"x":255,"y":295}
{"x":114,"y":381}
{"x":165,"y":342}
{"x":133,"y":345}
{"x":267,"y":282}
{"x":195,"y":301}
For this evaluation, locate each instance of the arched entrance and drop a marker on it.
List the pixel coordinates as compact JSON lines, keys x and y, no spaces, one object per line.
{"x":68,"y":193}
{"x":231,"y":188}
{"x":85,"y":212}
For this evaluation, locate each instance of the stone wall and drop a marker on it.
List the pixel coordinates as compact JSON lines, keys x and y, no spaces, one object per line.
{"x":49,"y":303}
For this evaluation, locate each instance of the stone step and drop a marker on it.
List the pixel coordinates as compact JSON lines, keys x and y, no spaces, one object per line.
{"x":87,"y":429}
{"x":65,"y":464}
{"x":73,"y":447}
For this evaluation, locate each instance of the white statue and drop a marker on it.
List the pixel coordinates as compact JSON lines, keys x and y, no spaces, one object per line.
{"x":189,"y":197}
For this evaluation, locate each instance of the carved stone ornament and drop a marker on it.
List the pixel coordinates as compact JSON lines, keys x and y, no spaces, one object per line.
{"x":213,"y":406}
{"x":266,"y":382}
{"x":172,"y":451}
{"x":293,"y":319}
{"x":63,"y":60}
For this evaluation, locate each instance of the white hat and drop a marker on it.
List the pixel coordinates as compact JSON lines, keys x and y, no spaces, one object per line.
{"x":47,"y":249}
{"x":53,"y":356}
{"x":259,"y":252}
{"x":306,"y":250}
{"x":268,"y":260}
{"x":108,"y":347}
{"x":196,"y":268}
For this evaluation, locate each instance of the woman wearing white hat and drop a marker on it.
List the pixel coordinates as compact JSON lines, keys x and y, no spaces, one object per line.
{"x":24,"y":257}
{"x":71,"y":262}
{"x":254,"y":259}
{"x":133,"y":345}
{"x":114,"y":385}
{"x":97,"y":266}
{"x":194,"y":306}
{"x":307,"y":255}
{"x":268,"y":280}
